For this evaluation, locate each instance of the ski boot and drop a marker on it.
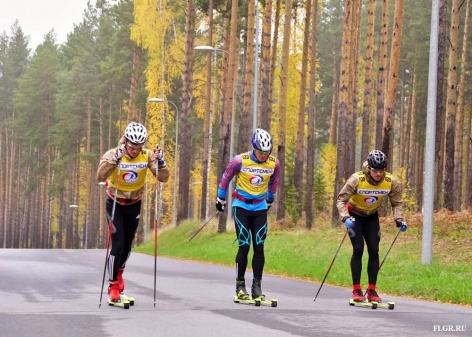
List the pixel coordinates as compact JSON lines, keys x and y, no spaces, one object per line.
{"x":121,"y":283}
{"x":358,"y":295}
{"x":256,"y":290}
{"x":372,"y":295}
{"x":114,"y":291}
{"x":241,"y":292}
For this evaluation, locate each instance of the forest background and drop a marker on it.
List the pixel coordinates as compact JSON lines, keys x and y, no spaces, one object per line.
{"x":335,"y":79}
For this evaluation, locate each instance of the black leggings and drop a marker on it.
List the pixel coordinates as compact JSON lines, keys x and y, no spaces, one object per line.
{"x":368,"y":229}
{"x":125,"y":224}
{"x":250,"y":224}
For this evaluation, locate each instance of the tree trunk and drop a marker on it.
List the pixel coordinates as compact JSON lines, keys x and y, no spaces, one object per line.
{"x":185,"y":144}
{"x":365,"y":146}
{"x":245,"y":126}
{"x":458,"y":147}
{"x":392,"y":79}
{"x":300,"y":139}
{"x":265,"y":101}
{"x":310,"y":157}
{"x":282,"y":132}
{"x":381,"y":75}
{"x":225,"y":125}
{"x":440,"y":120}
{"x":206,"y":164}
{"x":449,"y":187}
{"x":344,"y":143}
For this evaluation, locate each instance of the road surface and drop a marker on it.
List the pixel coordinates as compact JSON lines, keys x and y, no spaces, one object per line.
{"x":49,"y":293}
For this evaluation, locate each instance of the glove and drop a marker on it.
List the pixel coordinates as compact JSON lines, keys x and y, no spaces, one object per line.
{"x":159,"y":153}
{"x":349,"y":222}
{"x":220,"y":204}
{"x":402,"y":225}
{"x":269,"y":204}
{"x":119,"y":152}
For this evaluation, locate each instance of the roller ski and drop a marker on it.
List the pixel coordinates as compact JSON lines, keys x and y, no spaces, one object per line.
{"x":114,"y":297}
{"x":372,"y":300}
{"x":121,"y":287}
{"x":257,"y":295}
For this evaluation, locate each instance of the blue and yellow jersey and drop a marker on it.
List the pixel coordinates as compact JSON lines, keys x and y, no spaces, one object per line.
{"x":255,"y":181}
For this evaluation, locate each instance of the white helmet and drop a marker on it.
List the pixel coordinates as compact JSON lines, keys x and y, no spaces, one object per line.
{"x":261,"y":140}
{"x":136,"y":133}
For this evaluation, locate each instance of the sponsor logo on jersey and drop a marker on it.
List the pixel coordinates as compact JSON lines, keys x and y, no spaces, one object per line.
{"x":133,"y":166}
{"x":256,"y":180}
{"x":256,"y":170}
{"x":130,"y":177}
{"x":371,"y":200}
{"x":373,"y":192}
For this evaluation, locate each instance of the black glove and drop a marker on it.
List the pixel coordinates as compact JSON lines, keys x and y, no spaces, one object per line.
{"x":220,"y":204}
{"x":269,"y":204}
{"x":402,"y":225}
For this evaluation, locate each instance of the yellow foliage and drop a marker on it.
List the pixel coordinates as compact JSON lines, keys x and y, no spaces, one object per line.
{"x":409,"y":195}
{"x":328,"y":167}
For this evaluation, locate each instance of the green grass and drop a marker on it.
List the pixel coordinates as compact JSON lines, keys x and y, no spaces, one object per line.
{"x":302,"y":254}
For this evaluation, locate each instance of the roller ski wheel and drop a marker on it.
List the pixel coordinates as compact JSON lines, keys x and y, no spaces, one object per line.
{"x":119,"y":304}
{"x":272,"y":302}
{"x":386,"y":305}
{"x":125,"y":298}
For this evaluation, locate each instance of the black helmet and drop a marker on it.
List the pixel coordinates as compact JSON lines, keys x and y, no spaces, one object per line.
{"x":377,"y":160}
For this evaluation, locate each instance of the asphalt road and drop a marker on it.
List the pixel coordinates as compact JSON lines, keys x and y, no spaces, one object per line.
{"x":57,"y":293}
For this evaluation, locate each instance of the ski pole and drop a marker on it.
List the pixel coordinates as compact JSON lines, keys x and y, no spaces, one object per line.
{"x":202,"y":226}
{"x":388,"y":251}
{"x":110,"y":229}
{"x":155,"y":230}
{"x":334,"y":258}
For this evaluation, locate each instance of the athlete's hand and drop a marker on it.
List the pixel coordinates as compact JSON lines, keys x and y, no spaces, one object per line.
{"x":402,"y":225}
{"x":159,"y":153}
{"x":220,"y":204}
{"x":350,"y":222}
{"x":119,"y":152}
{"x":269,"y":204}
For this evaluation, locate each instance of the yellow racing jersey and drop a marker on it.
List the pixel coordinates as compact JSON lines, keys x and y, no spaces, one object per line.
{"x":132,"y":172}
{"x":253,"y":178}
{"x":369,"y":197}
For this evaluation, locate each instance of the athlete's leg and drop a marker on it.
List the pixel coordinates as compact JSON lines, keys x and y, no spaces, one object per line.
{"x":241,"y":220}
{"x":117,"y":238}
{"x":357,"y":241}
{"x":258,"y":229}
{"x":131,"y":221}
{"x":371,"y":233}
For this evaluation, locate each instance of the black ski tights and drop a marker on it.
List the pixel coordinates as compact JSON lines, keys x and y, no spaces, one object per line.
{"x":250,"y":225}
{"x":368,"y":229}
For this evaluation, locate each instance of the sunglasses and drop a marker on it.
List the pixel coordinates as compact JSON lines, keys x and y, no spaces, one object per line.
{"x":134,"y":147}
{"x":264,"y":153}
{"x":377,"y":170}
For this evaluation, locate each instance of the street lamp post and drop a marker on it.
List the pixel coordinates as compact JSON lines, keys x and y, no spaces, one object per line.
{"x":231,"y":141}
{"x":174,"y":206}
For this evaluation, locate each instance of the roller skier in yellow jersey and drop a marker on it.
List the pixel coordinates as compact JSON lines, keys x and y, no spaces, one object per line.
{"x":124,"y":168}
{"x":358,"y":203}
{"x":257,"y":174}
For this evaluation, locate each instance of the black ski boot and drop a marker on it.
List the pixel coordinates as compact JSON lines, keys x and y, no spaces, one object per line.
{"x":256,"y":290}
{"x":241,"y":292}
